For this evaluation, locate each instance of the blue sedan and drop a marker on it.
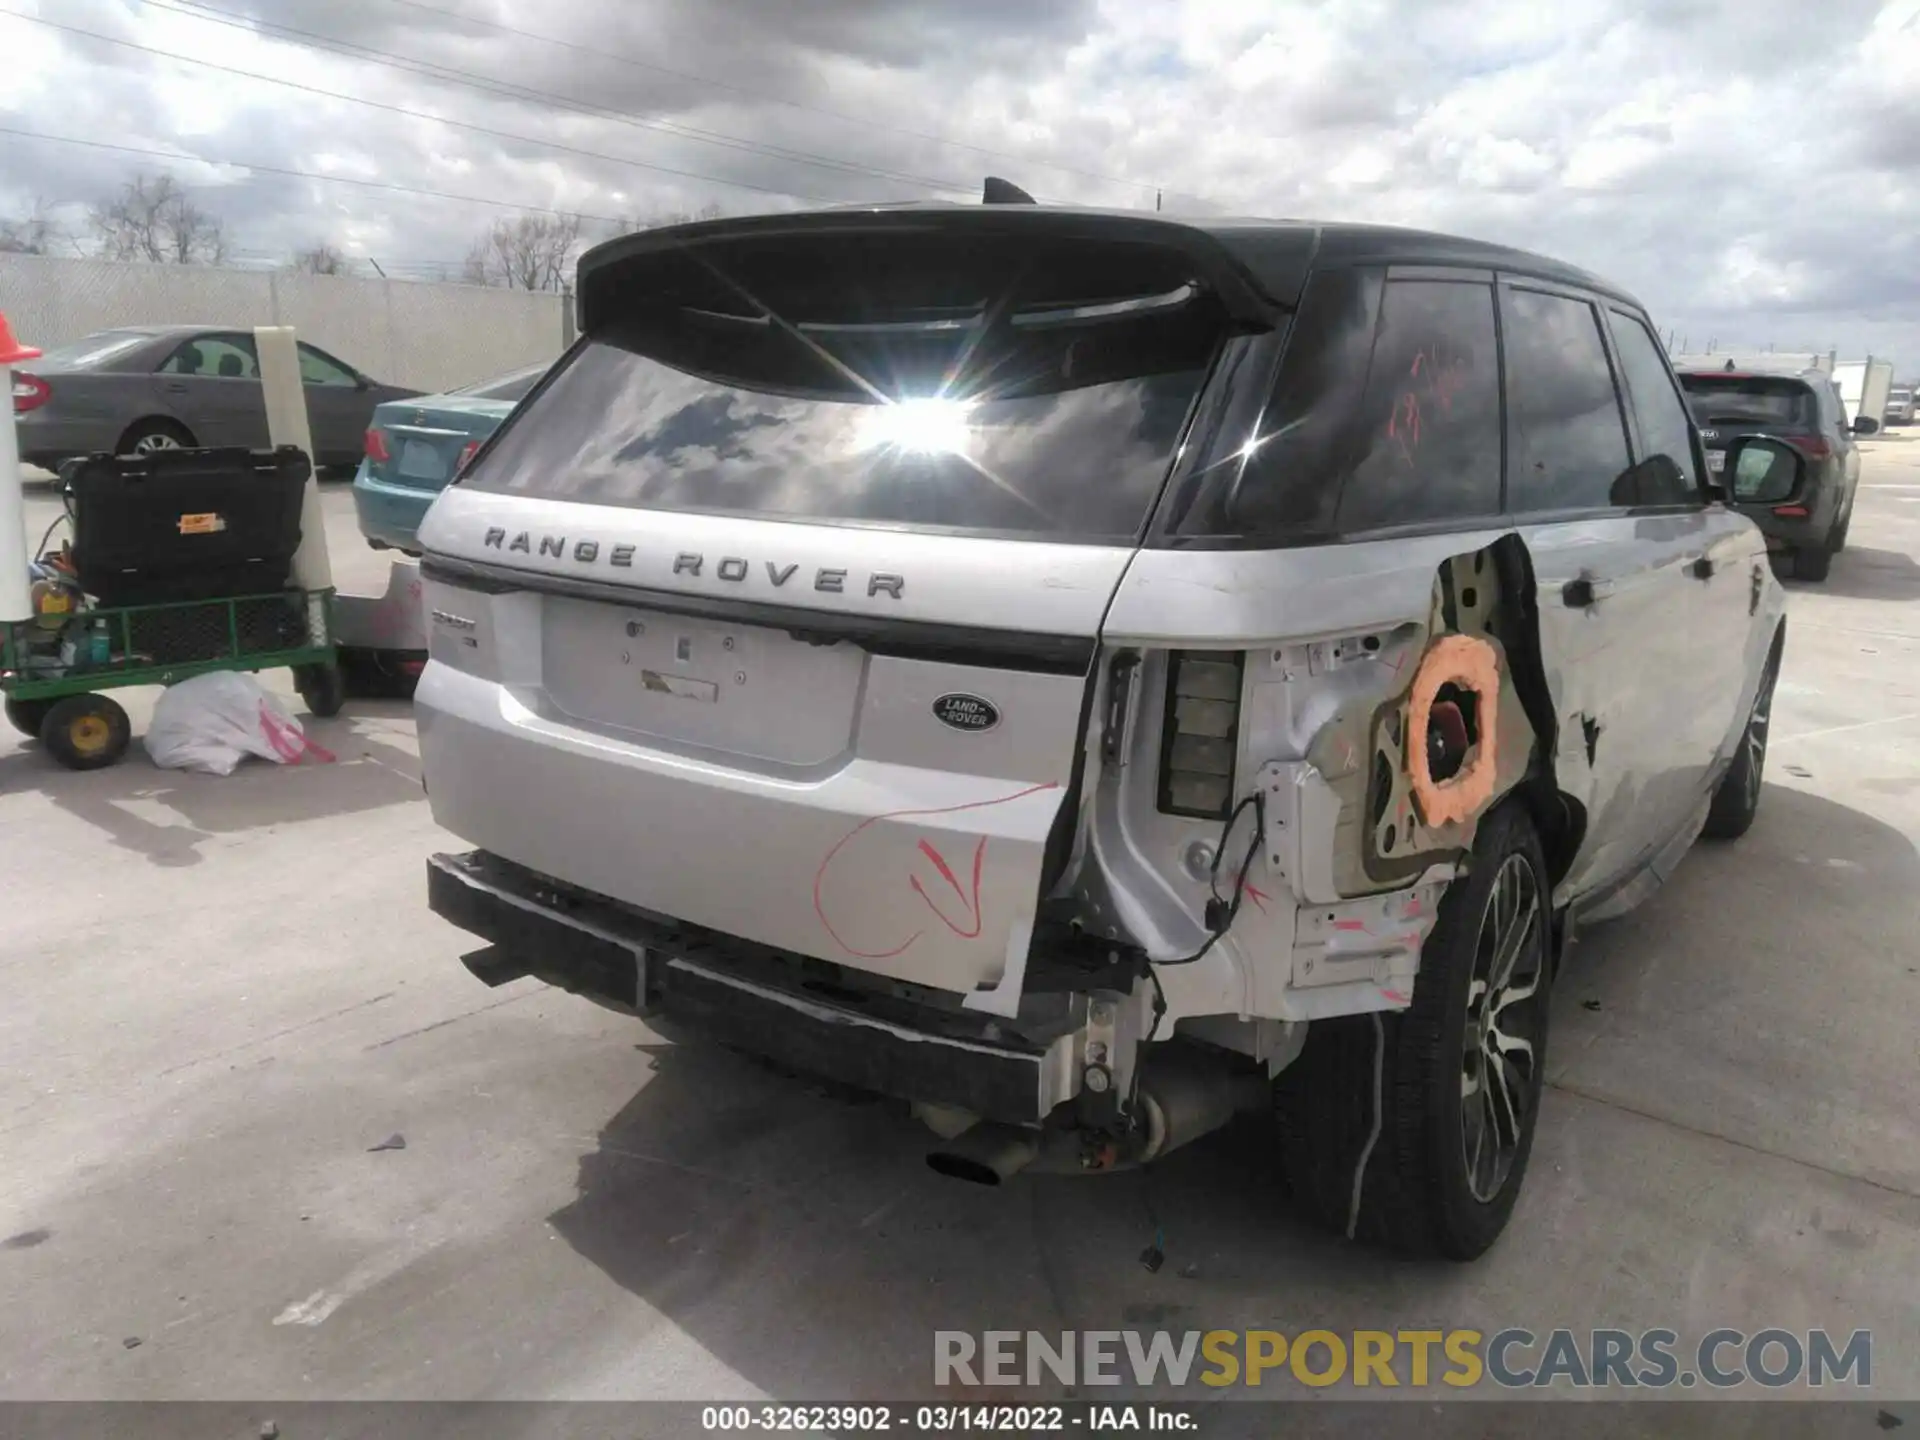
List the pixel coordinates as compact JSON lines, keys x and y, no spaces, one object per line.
{"x":416,"y":447}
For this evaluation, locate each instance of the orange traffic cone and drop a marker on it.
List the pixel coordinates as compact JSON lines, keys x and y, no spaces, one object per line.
{"x":11,"y":349}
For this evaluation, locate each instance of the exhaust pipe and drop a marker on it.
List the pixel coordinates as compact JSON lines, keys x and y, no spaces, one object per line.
{"x":986,"y":1154}
{"x":1181,"y":1098}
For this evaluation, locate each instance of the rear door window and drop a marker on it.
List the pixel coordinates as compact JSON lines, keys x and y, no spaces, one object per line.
{"x":1024,"y":393}
{"x":219,"y":357}
{"x":1664,"y":472}
{"x":1569,"y":436}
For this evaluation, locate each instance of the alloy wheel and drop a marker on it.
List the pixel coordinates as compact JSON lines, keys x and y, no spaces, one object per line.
{"x":156,"y":440}
{"x":1500,"y":1055}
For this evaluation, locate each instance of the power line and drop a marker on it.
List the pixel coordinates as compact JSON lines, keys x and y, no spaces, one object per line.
{"x":308,"y":175}
{"x":761,"y":96}
{"x":487,"y":84}
{"x":419,"y":114}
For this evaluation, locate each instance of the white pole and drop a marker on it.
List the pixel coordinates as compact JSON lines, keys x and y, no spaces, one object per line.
{"x":286,"y":398}
{"x":16,"y":590}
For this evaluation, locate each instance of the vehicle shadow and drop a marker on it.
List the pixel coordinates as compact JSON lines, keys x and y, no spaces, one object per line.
{"x":795,"y":1235}
{"x":130,"y":802}
{"x":1711,"y":1005}
{"x":1862,"y":574}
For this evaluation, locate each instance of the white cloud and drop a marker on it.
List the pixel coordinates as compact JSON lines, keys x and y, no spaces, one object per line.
{"x":1748,"y":167}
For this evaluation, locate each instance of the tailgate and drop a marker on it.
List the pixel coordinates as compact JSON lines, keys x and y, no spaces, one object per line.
{"x":774,"y":607}
{"x":876,"y":792}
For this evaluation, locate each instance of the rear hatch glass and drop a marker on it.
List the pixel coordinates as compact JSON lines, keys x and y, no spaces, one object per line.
{"x":973,"y":385}
{"x":1766,"y":403}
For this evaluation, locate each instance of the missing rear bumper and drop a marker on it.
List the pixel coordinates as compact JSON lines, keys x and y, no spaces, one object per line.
{"x":742,"y":995}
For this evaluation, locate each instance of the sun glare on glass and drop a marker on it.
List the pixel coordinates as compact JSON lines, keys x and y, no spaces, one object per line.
{"x":928,"y":426}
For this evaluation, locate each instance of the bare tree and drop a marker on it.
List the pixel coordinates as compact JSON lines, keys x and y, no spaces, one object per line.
{"x":533,"y":252}
{"x":153,"y":219}
{"x":320,"y":258}
{"x":39,"y":232}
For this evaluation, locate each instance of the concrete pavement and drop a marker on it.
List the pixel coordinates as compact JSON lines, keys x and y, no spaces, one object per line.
{"x":221,"y":994}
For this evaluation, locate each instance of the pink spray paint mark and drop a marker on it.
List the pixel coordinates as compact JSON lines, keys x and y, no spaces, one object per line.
{"x":969,"y":927}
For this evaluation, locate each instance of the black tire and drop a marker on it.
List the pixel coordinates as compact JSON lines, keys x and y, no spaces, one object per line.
{"x":154,"y":433}
{"x":86,"y":732}
{"x":1737,"y":800}
{"x":323,"y":687}
{"x":1416,"y":1196}
{"x":26,"y":715}
{"x":1813,"y":563}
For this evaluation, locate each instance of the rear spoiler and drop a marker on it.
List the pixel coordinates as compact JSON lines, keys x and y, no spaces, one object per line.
{"x":1243,"y":294}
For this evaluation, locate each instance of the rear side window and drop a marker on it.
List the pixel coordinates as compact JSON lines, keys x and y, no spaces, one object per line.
{"x":1569,"y":434}
{"x":1665,"y":473}
{"x":1432,"y":410}
{"x":1385,"y":411}
{"x":973,"y":388}
{"x":1755,"y":399}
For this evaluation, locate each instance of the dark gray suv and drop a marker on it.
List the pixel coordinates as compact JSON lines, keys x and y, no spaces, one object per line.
{"x":1805,"y":410}
{"x":1084,"y":674}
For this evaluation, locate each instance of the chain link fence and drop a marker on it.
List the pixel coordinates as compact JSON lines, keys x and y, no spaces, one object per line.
{"x":423,"y":335}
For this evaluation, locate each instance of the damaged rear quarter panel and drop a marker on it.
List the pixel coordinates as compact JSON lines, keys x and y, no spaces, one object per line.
{"x":1348,"y":876}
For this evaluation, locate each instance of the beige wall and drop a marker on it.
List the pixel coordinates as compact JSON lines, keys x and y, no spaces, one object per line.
{"x":427,"y":336}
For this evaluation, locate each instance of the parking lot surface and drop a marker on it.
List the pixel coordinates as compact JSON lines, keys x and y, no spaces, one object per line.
{"x":222,"y":996}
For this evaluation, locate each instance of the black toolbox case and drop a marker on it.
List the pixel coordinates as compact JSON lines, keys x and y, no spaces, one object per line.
{"x":187,"y":524}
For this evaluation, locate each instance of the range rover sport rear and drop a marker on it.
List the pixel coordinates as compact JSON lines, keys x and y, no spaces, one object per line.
{"x":909,"y":645}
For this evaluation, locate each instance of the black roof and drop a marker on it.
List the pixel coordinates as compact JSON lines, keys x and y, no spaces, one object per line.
{"x":1257,"y":265}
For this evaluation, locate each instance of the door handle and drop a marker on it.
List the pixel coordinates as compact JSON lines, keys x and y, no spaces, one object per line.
{"x":1579,"y":594}
{"x":1701,"y":568}
{"x":177,"y":387}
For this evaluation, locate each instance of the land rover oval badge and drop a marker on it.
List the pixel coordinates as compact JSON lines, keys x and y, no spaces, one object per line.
{"x":966,"y":712}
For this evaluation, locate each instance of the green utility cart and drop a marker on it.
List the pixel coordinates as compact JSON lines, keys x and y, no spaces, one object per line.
{"x":54,"y":667}
{"x":180,"y":562}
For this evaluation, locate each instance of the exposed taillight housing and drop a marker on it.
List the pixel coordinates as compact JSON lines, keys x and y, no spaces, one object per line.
{"x":1202,"y":733}
{"x":377,"y":450}
{"x":467,"y":452}
{"x":1791,"y":512}
{"x":30,"y":392}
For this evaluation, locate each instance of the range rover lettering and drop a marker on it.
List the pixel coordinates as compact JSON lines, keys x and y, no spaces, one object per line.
{"x":1310,"y":625}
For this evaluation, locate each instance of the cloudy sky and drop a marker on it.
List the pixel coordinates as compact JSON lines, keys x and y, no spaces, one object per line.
{"x":1749,"y":168}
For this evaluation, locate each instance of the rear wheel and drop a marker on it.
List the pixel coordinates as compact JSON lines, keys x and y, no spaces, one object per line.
{"x":143,"y":437}
{"x":86,"y":732}
{"x":26,"y":715}
{"x":1813,"y":563}
{"x":323,"y":687}
{"x":1413,"y":1129}
{"x":1738,"y":798}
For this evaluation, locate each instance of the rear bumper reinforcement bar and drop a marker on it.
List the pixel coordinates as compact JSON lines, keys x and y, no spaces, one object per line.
{"x":741,"y":995}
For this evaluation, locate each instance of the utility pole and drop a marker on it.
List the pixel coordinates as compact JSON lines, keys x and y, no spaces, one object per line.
{"x":1156,"y":200}
{"x":376,"y":267}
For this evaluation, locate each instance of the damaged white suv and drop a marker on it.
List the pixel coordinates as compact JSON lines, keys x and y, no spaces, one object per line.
{"x":1086,"y":674}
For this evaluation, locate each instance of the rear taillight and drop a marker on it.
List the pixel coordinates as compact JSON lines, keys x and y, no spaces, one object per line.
{"x":30,"y":392}
{"x":467,"y":452}
{"x":377,"y":447}
{"x":1814,"y":447}
{"x":1202,"y":733}
{"x":1792,"y":512}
